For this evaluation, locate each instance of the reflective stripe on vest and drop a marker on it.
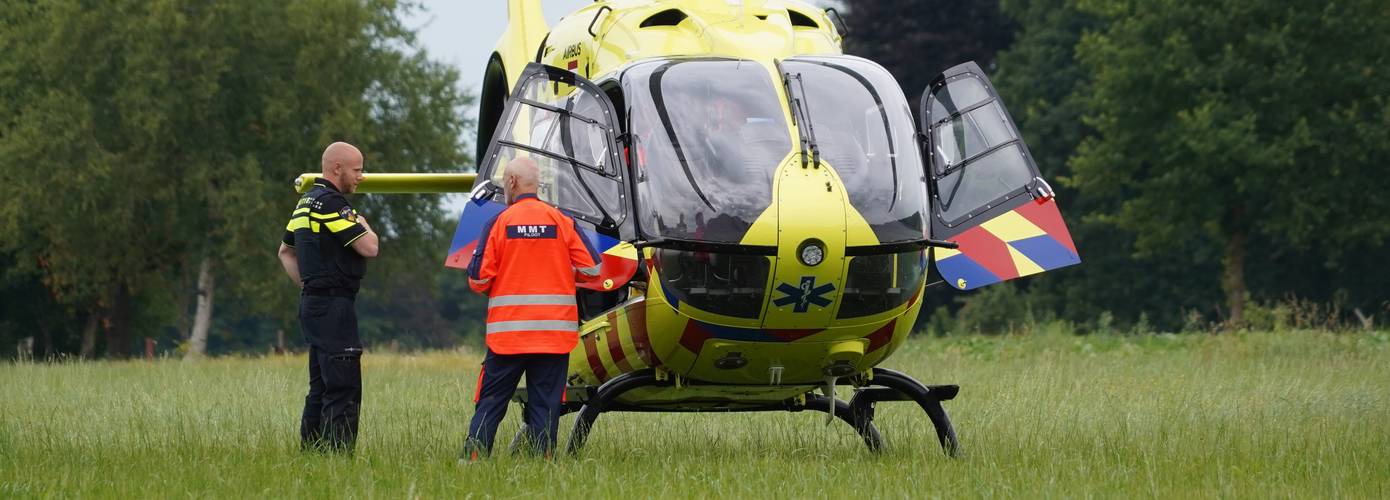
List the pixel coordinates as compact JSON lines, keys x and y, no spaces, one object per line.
{"x":532,"y":326}
{"x":531,"y":300}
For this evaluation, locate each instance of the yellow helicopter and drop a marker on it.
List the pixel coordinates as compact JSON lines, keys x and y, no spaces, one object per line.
{"x":767,"y":207}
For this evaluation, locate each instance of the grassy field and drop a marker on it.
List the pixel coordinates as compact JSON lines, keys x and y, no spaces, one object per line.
{"x":1295,"y":414}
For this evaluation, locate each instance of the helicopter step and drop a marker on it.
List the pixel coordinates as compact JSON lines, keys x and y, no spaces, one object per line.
{"x":883,"y":386}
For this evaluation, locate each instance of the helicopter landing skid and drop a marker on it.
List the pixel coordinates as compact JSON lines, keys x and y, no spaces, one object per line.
{"x":898,"y":386}
{"x":885,"y":385}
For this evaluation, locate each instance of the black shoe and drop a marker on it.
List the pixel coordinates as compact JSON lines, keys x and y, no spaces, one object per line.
{"x":473,"y":451}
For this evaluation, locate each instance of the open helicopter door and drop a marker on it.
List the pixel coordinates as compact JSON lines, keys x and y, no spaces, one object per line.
{"x":986,"y":192}
{"x":568,"y":127}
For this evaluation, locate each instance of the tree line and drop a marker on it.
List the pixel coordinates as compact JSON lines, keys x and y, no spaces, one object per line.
{"x":147,"y":149}
{"x":1213,"y":159}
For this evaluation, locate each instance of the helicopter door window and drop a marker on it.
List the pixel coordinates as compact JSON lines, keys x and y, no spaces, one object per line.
{"x":606,"y":191}
{"x":587,"y":141}
{"x":987,"y":179}
{"x":969,"y":135}
{"x":958,"y":95}
{"x":586,"y":144}
{"x":565,"y":125}
{"x":568,"y":137}
{"x":558,"y":185}
{"x":979,"y":162}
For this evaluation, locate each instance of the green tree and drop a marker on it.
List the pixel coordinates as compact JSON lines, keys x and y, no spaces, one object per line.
{"x":1239,"y":124}
{"x":144,"y":141}
{"x":1041,"y":81}
{"x":1046,"y":89}
{"x":917,"y":40}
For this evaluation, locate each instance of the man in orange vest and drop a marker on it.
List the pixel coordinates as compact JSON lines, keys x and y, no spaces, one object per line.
{"x":527,"y":262}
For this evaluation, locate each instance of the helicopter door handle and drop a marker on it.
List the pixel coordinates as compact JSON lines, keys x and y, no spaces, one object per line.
{"x":600,"y":12}
{"x":1042,"y":191}
{"x":483,"y":191}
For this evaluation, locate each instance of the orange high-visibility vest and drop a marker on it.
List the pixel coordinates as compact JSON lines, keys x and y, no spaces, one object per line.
{"x":527,"y":262}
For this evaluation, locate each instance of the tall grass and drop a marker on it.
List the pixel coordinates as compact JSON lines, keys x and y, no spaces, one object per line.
{"x":1299,"y":413}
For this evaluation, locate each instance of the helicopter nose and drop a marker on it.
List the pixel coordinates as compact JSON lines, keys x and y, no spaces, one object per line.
{"x":811,"y":234}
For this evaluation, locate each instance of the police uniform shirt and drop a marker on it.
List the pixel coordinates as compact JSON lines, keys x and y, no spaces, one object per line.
{"x":321,"y":230}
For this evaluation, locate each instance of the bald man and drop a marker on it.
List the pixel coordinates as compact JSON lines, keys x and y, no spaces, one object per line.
{"x":528,"y":262}
{"x":324,"y":250}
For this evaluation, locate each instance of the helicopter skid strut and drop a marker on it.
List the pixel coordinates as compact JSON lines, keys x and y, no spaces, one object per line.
{"x":858,"y":412}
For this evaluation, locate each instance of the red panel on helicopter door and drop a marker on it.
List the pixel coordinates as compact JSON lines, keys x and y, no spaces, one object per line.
{"x":986,"y":192}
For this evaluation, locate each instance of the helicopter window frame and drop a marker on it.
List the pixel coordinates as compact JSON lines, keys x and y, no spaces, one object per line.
{"x":988,"y":156}
{"x":575,"y":165}
{"x":566,"y":137}
{"x":611,"y":217}
{"x":612,"y":87}
{"x":994,"y":136}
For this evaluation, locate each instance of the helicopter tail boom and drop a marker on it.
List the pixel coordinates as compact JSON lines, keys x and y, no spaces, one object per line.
{"x":400,"y":183}
{"x":526,"y":29}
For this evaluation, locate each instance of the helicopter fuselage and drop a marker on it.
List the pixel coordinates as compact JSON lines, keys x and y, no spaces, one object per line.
{"x":717,"y":160}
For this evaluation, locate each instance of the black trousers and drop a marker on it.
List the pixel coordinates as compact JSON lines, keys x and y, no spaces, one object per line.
{"x":335,"y":373}
{"x":545,"y":388}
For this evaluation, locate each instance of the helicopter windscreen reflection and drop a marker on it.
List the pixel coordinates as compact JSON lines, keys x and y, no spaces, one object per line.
{"x":864,"y":130}
{"x":709,"y":134}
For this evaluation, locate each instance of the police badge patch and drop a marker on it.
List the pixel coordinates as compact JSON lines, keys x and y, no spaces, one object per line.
{"x":348,"y":213}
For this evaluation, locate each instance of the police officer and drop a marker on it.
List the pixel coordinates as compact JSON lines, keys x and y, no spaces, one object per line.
{"x":527,"y":262}
{"x":325,"y":248}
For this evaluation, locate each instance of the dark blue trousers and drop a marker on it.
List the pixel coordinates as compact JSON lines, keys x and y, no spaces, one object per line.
{"x":545,"y":387}
{"x":331,"y":408}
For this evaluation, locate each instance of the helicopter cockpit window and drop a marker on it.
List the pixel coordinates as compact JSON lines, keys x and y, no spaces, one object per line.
{"x":864,"y":130}
{"x":707,"y":135}
{"x":564,"y":134}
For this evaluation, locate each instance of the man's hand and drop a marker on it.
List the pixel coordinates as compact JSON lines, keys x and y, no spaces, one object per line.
{"x":367,"y":244}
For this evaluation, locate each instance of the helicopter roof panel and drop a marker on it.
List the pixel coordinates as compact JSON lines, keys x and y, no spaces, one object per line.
{"x":609,"y":34}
